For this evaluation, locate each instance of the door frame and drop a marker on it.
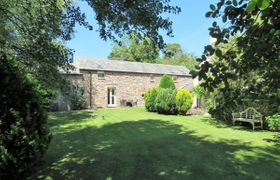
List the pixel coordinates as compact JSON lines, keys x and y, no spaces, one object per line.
{"x":111,"y":96}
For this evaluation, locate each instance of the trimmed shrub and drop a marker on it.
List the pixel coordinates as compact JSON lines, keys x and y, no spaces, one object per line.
{"x":167,"y":82}
{"x":273,"y":122}
{"x":184,"y":101}
{"x":24,"y":133}
{"x":165,"y":102}
{"x":150,"y":97}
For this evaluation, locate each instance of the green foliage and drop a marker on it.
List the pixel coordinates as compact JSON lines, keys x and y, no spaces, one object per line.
{"x":42,"y":27}
{"x":77,"y":100}
{"x":35,"y":32}
{"x":150,"y":97}
{"x":165,"y":102}
{"x":273,"y":122}
{"x":174,"y":55}
{"x":136,"y":48}
{"x":24,"y":133}
{"x":34,"y":29}
{"x":179,"y":141}
{"x":184,"y":101}
{"x":116,"y":18}
{"x":47,"y":93}
{"x":199,"y":91}
{"x":202,"y":97}
{"x":120,"y":53}
{"x":173,"y":50}
{"x":237,"y":61}
{"x":167,"y":82}
{"x":261,"y":4}
{"x":223,"y":102}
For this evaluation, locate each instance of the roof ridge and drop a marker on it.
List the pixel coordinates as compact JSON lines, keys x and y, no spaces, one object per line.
{"x":134,"y":62}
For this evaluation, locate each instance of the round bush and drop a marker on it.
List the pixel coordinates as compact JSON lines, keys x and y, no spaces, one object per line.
{"x":184,"y":101}
{"x":165,"y":102}
{"x":273,"y":122}
{"x":150,"y":97}
{"x":167,"y":82}
{"x":24,"y":133}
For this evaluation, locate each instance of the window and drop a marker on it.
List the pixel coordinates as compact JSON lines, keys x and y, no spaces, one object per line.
{"x":152,"y":78}
{"x":100,"y":75}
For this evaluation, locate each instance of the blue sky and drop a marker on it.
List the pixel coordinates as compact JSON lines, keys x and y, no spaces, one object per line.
{"x":190,"y":29}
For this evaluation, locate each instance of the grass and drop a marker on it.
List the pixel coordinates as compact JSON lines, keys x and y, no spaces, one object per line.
{"x":134,"y":144}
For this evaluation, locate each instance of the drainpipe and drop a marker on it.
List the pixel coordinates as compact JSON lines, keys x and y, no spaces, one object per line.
{"x":90,"y":90}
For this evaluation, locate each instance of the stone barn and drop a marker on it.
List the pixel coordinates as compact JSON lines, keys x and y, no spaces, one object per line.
{"x":111,"y":83}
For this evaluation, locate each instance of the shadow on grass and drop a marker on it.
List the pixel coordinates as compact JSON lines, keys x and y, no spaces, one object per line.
{"x":227,"y":124}
{"x":153,"y":149}
{"x":69,"y":117}
{"x":215,"y":122}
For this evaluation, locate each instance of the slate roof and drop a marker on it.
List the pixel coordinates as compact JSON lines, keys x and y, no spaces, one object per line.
{"x":126,"y":66}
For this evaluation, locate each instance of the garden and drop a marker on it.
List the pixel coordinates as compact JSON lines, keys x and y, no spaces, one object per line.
{"x":131,"y":143}
{"x":166,"y":139}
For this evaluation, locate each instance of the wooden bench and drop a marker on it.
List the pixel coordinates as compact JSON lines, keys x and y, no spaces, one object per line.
{"x":250,"y":115}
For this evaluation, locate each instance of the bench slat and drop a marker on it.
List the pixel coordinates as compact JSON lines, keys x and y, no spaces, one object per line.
{"x":250,"y":115}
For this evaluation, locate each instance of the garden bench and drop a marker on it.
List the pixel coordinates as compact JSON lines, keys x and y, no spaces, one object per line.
{"x":250,"y":115}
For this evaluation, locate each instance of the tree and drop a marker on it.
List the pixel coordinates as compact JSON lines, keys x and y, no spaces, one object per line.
{"x":135,"y":48}
{"x":33,"y":33}
{"x":24,"y":132}
{"x":242,"y":70}
{"x":173,"y":54}
{"x":255,"y":49}
{"x":173,"y":50}
{"x":120,"y":53}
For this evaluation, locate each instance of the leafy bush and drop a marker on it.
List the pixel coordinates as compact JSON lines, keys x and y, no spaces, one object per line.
{"x":47,"y":93}
{"x":274,"y":122}
{"x":201,"y":96}
{"x":24,"y":133}
{"x":77,"y":100}
{"x":167,"y":82}
{"x":150,"y":97}
{"x":184,"y":101}
{"x":223,"y":102}
{"x":199,"y":91}
{"x":165,"y":102}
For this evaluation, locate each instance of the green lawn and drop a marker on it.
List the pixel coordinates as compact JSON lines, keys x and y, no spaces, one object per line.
{"x":134,"y":144}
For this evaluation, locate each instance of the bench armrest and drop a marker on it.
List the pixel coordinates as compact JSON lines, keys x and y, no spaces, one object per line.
{"x":258,"y":117}
{"x":235,"y":115}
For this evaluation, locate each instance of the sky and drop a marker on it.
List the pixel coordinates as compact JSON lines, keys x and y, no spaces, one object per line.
{"x":190,"y":29}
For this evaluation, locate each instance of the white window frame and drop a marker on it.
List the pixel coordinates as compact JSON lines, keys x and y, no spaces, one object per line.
{"x":111,"y":97}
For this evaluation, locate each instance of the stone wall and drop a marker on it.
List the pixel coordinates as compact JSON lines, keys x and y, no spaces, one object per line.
{"x":61,"y":102}
{"x":128,"y":86}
